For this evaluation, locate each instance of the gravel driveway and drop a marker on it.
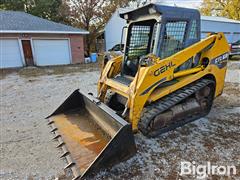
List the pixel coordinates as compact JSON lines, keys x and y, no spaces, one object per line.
{"x":27,"y":151}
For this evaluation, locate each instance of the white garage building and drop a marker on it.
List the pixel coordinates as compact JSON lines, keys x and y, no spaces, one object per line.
{"x":209,"y":24}
{"x":27,"y":40}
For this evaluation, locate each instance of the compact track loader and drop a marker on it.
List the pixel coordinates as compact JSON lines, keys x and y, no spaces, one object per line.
{"x":166,"y":78}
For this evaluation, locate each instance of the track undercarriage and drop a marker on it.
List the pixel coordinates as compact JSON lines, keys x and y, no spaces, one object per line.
{"x":174,"y":110}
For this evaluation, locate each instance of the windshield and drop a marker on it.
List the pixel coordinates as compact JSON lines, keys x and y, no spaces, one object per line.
{"x":140,"y":39}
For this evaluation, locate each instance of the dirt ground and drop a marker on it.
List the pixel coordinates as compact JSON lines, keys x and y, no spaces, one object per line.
{"x":27,"y":151}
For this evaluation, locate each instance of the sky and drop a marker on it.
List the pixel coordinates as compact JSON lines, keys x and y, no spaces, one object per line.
{"x":181,"y":3}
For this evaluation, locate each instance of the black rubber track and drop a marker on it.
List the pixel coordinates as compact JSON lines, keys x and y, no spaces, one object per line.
{"x":159,"y":106}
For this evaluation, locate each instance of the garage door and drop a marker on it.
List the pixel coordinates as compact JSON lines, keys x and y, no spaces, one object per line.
{"x":10,"y":55}
{"x":51,"y":52}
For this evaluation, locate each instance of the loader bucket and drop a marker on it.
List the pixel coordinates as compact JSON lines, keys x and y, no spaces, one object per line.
{"x":91,"y":135}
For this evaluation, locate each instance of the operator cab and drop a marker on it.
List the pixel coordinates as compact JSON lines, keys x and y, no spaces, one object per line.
{"x":158,"y":30}
{"x":140,"y":42}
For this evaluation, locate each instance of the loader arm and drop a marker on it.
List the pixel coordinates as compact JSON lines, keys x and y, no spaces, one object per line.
{"x":109,"y":70}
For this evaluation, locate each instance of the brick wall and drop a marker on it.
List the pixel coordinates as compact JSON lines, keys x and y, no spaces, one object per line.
{"x":77,"y":48}
{"x":76,"y":42}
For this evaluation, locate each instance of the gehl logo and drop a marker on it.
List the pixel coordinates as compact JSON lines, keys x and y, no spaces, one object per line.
{"x":163,"y":68}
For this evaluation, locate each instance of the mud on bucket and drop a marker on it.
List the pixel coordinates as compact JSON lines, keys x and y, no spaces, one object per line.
{"x":91,"y":135}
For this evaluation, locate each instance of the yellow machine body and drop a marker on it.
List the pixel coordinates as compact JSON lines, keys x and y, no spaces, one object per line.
{"x":144,"y":86}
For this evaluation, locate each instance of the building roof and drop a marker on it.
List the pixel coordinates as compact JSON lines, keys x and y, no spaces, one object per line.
{"x":219,"y":19}
{"x":21,"y":22}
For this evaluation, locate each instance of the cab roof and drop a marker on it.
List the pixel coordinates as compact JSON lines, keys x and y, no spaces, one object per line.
{"x":165,"y":11}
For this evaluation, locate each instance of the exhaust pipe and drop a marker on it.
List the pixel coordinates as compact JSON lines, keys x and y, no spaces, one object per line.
{"x":91,"y":135}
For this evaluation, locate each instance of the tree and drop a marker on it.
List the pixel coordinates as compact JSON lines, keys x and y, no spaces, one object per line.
{"x":15,"y":5}
{"x":139,"y":3}
{"x":87,"y":14}
{"x":92,"y":15}
{"x":47,"y":9}
{"x":226,"y":8}
{"x":112,"y":5}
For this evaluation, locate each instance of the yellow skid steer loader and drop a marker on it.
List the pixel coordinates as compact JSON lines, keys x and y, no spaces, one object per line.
{"x":166,"y":78}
